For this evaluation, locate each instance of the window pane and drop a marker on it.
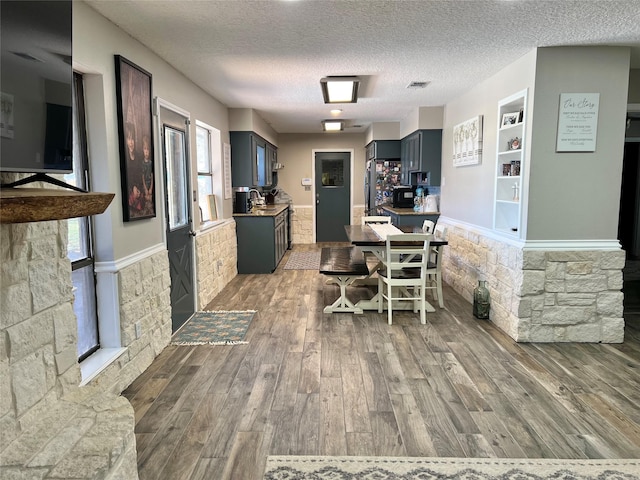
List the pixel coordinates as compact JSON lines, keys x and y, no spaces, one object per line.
{"x":177,"y":185}
{"x":205,"y":188}
{"x":332,"y":173}
{"x":84,"y":306}
{"x":203,"y":146}
{"x":78,"y":246}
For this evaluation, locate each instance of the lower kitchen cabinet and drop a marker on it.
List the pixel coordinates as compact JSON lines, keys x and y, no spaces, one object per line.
{"x":262,"y":241}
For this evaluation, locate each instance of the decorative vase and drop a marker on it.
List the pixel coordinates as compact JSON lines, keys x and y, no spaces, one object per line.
{"x":481,"y":300}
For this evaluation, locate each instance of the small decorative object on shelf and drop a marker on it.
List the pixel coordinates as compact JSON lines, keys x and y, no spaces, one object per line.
{"x":515,"y":168}
{"x":506,"y":169}
{"x":516,"y":192}
{"x":481,"y":300}
{"x":513,"y":144}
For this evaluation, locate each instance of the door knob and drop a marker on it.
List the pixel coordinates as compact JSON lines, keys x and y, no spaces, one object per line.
{"x":192,"y":233}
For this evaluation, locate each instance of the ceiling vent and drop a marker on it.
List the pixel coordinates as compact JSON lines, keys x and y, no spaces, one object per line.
{"x":417,"y":84}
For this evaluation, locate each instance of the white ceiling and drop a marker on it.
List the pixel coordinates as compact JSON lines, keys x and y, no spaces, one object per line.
{"x":270,"y":55}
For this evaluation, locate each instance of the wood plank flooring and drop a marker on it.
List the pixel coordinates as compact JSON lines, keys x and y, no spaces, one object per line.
{"x":310,"y":383}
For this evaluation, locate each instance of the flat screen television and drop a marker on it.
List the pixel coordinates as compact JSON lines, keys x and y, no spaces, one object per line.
{"x":36,"y":129}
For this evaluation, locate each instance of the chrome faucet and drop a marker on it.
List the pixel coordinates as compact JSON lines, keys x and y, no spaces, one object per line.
{"x":259,"y":200}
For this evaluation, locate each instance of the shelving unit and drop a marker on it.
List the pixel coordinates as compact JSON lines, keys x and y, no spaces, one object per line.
{"x":511,"y":145}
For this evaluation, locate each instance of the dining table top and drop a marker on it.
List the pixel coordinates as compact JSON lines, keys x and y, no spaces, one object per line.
{"x":363,"y":235}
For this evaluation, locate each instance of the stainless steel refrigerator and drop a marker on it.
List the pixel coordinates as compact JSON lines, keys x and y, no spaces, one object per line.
{"x":380,"y":178}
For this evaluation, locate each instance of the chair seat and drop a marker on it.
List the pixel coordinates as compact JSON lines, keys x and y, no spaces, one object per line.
{"x":405,"y":273}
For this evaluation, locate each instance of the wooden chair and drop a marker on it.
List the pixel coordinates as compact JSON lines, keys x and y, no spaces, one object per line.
{"x":434,"y":266}
{"x":404,"y":273}
{"x":376,"y":219}
{"x":427,"y":226}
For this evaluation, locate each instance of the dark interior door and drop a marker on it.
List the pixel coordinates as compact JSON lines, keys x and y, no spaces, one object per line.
{"x":179,"y":232}
{"x":333,"y":195}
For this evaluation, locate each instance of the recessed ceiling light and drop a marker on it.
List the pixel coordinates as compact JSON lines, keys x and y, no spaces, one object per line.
{"x":336,"y":111}
{"x":340,"y":89}
{"x":332,"y":125}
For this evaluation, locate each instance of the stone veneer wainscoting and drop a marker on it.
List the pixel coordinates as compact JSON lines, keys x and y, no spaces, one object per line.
{"x":50,"y":427}
{"x":217,"y":260}
{"x":302,"y":222}
{"x":546,"y":294}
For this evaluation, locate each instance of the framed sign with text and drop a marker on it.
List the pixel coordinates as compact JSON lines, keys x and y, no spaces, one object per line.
{"x":577,"y":122}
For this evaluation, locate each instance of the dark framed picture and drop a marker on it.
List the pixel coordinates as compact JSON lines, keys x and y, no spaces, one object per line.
{"x":509,"y":119}
{"x":135,"y":131}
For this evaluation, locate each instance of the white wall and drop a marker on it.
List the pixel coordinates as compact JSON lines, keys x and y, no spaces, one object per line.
{"x":467,"y":192}
{"x":95,"y":42}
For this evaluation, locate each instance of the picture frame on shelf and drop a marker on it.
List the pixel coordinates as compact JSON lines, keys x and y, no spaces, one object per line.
{"x":514,"y":144}
{"x":506,"y":169}
{"x":515,"y":168}
{"x":510,"y":119}
{"x":135,"y":131}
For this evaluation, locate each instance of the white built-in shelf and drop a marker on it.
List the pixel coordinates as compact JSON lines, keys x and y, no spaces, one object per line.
{"x":507,"y":214}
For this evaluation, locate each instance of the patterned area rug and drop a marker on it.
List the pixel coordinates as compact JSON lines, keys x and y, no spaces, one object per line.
{"x":214,"y":328}
{"x":303,"y":261}
{"x":415,"y":468}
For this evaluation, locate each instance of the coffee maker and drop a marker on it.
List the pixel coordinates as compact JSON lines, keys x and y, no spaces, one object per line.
{"x":242,"y":201}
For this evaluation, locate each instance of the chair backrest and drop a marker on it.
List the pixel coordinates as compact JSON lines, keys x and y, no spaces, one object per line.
{"x":440,"y":232}
{"x":407,"y":250}
{"x":376,"y":219}
{"x":427,"y":226}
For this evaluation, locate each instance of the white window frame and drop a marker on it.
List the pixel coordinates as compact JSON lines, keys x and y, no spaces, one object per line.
{"x":215,"y":171}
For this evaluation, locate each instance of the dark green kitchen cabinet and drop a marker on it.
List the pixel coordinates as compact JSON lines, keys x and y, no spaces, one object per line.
{"x":383,"y":150}
{"x":252,"y":160}
{"x":421,"y":151}
{"x":262,"y":241}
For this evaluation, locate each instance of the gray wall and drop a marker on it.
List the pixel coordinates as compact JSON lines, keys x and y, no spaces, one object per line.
{"x":295,"y":153}
{"x":467,"y":192}
{"x":577,"y":195}
{"x":95,"y":42}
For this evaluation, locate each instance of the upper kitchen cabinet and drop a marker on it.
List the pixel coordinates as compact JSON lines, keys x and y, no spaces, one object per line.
{"x":421,"y":152}
{"x":252,"y":160}
{"x":383,"y":150}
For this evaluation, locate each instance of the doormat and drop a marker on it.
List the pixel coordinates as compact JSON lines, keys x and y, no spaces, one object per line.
{"x":410,"y":468}
{"x":214,"y":328}
{"x":303,"y":261}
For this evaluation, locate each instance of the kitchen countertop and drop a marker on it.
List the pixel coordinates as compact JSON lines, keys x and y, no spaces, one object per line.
{"x":267,"y":211}
{"x":406,"y":211}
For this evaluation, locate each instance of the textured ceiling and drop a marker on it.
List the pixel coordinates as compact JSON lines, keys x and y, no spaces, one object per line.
{"x":270,"y":55}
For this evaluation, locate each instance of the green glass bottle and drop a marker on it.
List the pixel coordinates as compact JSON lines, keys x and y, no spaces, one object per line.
{"x":481,"y":300}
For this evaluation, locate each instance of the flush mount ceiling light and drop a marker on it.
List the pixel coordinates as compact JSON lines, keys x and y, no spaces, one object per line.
{"x":340,"y":89}
{"x":332,"y":125}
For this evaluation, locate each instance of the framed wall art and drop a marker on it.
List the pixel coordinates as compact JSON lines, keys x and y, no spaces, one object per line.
{"x":578,"y":122}
{"x":135,"y":132}
{"x":467,"y":142}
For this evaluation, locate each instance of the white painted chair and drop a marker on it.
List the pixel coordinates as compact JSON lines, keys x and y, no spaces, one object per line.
{"x":376,"y":219}
{"x":404,"y":273}
{"x":427,"y":226}
{"x":434,"y":266}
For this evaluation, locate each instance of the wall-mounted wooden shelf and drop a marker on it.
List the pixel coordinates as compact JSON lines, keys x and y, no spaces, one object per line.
{"x":21,"y":205}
